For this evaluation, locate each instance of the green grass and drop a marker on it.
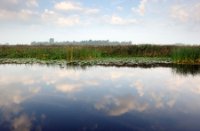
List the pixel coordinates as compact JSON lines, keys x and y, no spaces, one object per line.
{"x":81,"y":53}
{"x":186,"y":55}
{"x":179,"y":54}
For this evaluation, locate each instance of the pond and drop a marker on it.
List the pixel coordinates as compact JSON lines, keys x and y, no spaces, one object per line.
{"x":50,"y":98}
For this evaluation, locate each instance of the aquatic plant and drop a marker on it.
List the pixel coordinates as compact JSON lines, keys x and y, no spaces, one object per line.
{"x":179,"y":54}
{"x":189,"y":54}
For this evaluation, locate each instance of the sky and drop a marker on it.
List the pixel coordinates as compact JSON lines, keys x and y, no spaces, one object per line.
{"x":139,"y":21}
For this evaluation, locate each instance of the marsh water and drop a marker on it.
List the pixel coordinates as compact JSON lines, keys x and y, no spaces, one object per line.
{"x":50,"y":98}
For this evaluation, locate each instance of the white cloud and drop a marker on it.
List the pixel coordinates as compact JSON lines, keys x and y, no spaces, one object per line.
{"x":19,"y":11}
{"x":26,"y":14}
{"x":74,"y":6}
{"x":21,"y":16}
{"x":48,"y":15}
{"x":141,"y":9}
{"x":57,"y":19}
{"x":68,"y":6}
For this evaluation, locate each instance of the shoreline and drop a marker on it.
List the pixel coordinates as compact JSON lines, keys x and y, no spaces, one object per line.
{"x":118,"y":62}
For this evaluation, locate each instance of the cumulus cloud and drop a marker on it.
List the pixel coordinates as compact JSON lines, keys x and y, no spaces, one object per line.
{"x":49,"y":15}
{"x":68,"y":6}
{"x":21,"y":15}
{"x":13,"y":92}
{"x":74,"y":6}
{"x":25,"y":11}
{"x":18,"y":11}
{"x":55,"y":18}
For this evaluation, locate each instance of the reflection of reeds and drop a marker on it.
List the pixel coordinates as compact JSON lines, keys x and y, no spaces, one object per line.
{"x":80,"y":52}
{"x":186,"y":69}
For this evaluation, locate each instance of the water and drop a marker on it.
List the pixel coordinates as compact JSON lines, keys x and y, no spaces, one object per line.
{"x":42,"y":98}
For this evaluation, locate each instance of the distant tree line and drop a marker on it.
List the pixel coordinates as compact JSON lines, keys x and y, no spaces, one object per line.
{"x":86,"y":42}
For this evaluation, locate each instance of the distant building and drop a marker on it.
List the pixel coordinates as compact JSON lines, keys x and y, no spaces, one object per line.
{"x":86,"y":42}
{"x":51,"y":40}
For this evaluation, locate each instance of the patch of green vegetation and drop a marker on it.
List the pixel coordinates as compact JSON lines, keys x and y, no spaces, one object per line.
{"x":186,"y":55}
{"x":80,"y":53}
{"x":129,"y":53}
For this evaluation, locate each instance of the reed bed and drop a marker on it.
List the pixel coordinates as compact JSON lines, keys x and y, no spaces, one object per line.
{"x":179,"y":54}
{"x":189,"y":54}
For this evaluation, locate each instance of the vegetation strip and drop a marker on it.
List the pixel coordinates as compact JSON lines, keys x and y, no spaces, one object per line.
{"x":98,"y":55}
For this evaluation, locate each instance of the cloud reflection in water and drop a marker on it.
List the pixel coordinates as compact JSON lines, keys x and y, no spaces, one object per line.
{"x":112,"y":91}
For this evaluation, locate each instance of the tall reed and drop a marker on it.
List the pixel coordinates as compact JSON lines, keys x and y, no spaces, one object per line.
{"x":179,"y":54}
{"x":186,"y":55}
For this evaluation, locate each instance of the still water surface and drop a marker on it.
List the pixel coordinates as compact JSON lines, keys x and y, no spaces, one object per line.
{"x":42,"y":98}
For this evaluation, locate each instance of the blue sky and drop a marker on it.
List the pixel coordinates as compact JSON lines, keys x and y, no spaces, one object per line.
{"x":139,"y":21}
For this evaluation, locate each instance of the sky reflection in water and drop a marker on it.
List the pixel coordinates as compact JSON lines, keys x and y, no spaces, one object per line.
{"x":45,"y":98}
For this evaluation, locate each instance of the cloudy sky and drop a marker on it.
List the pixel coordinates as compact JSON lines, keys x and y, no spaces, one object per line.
{"x":139,"y":21}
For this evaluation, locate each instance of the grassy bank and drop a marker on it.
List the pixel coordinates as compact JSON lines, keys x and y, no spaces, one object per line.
{"x":178,"y":54}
